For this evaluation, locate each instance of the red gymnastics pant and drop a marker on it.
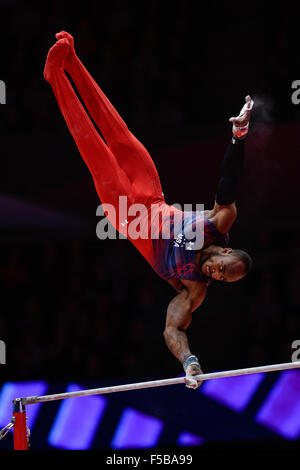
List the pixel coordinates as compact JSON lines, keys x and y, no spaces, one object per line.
{"x":120,"y":166}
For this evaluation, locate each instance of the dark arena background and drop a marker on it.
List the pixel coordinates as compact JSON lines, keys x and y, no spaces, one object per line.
{"x":78,"y":312}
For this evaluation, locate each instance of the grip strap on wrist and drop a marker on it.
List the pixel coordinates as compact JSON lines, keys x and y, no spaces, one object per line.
{"x":189,"y":361}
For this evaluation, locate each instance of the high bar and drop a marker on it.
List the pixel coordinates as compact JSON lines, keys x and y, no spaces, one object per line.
{"x":157,"y":383}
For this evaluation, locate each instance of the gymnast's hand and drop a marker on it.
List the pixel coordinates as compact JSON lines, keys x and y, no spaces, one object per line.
{"x":191,"y":371}
{"x":241,"y":122}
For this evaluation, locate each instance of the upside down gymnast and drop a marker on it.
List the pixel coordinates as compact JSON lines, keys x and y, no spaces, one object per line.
{"x":121,"y":166}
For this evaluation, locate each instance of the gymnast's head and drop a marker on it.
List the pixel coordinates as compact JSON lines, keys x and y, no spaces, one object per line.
{"x":226,"y":264}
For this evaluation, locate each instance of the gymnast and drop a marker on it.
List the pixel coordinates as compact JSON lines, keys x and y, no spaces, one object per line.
{"x":121,"y":166}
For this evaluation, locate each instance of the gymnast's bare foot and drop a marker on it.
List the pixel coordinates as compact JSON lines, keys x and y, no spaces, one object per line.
{"x":56,"y":58}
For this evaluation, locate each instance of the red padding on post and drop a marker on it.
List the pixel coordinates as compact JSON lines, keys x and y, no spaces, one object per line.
{"x":20,"y":434}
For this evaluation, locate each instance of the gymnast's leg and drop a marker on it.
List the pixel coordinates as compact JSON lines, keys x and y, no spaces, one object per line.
{"x":110,"y":180}
{"x":129,"y":152}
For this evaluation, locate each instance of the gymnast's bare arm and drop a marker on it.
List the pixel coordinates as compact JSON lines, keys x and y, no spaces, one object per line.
{"x":179,"y":317}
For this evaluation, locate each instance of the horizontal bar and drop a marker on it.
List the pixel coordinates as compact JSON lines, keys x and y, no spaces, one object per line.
{"x":158,"y":383}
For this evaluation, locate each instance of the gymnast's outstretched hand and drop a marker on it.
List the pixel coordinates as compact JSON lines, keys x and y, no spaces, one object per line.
{"x":241,"y":122}
{"x":191,"y":371}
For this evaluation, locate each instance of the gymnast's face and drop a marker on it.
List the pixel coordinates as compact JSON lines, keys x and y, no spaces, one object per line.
{"x":223,"y":266}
